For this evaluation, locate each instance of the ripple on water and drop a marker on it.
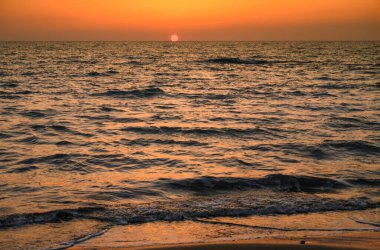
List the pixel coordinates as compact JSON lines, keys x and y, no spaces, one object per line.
{"x":188,"y":131}
{"x":138,"y":93}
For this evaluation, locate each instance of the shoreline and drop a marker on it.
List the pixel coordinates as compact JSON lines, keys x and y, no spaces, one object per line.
{"x":257,"y":245}
{"x":329,"y":230}
{"x":354,"y":241}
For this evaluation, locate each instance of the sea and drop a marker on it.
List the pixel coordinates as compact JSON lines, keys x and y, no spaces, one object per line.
{"x":97,"y":135}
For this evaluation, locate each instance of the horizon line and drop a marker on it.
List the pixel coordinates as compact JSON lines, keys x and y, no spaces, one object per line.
{"x":180,"y":41}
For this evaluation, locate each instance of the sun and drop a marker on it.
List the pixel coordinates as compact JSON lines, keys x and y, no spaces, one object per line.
{"x":174,"y":38}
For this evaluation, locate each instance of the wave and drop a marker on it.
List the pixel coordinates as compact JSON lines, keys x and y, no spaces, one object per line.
{"x":94,"y":73}
{"x":353,"y":123}
{"x":2,"y":73}
{"x":52,"y":159}
{"x":137,"y":63}
{"x":5,"y":135}
{"x":8,"y":95}
{"x":233,"y":60}
{"x":98,"y":74}
{"x":288,"y":183}
{"x":58,"y":128}
{"x":111,"y":161}
{"x":108,"y":109}
{"x":34,"y":114}
{"x":353,"y":146}
{"x":124,"y":193}
{"x":29,"y":73}
{"x":141,"y":93}
{"x":296,"y":93}
{"x":81,"y":163}
{"x":365,"y":182}
{"x":327,"y":78}
{"x":121,"y":162}
{"x":323,"y":94}
{"x":198,"y":131}
{"x":209,"y":96}
{"x":192,"y":209}
{"x":22,"y":169}
{"x":9,"y":84}
{"x":31,"y":140}
{"x":85,"y":163}
{"x":14,"y":94}
{"x":110,"y":118}
{"x":292,"y":148}
{"x":51,"y":216}
{"x":37,"y":113}
{"x":147,"y":142}
{"x":336,"y":86}
{"x":323,"y":150}
{"x":64,"y":143}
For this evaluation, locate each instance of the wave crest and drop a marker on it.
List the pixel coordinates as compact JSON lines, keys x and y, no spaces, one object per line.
{"x":289,"y":183}
{"x":191,"y":209}
{"x":233,"y":60}
{"x":140,"y":93}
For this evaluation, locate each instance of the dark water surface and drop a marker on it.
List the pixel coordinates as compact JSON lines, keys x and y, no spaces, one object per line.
{"x":137,"y":132}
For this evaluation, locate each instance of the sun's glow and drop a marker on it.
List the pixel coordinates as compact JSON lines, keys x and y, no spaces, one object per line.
{"x":193,"y":19}
{"x":174,"y":38}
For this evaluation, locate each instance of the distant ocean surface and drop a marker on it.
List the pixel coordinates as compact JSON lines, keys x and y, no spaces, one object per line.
{"x":135,"y":132}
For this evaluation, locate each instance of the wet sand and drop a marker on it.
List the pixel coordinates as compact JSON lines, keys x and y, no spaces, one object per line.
{"x":343,"y":241}
{"x":330,"y":230}
{"x":354,"y":241}
{"x":252,"y":245}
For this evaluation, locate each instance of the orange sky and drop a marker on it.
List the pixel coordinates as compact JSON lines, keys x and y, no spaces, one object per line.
{"x":190,"y":19}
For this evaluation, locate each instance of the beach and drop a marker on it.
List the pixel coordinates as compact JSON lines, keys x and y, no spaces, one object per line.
{"x":343,"y":241}
{"x":325,"y":231}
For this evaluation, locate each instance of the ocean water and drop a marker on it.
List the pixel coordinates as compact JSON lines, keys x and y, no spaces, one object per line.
{"x":119,"y":133}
